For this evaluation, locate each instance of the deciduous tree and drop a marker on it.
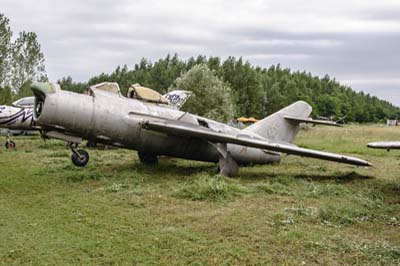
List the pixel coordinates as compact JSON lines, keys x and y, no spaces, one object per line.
{"x":212,"y":97}
{"x":27,"y":60}
{"x":5,"y":48}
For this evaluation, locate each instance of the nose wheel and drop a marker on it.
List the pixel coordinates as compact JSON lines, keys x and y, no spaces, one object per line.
{"x":10,"y":145}
{"x":79,"y":157}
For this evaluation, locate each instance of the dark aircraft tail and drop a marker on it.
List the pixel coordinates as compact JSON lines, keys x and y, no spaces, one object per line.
{"x":283,"y":125}
{"x":177,"y":98}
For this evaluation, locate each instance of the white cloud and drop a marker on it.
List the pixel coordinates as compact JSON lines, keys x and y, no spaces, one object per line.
{"x":347,"y":39}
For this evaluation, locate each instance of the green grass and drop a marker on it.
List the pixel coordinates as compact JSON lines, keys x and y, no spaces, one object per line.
{"x":211,"y":188}
{"x":117,"y":211}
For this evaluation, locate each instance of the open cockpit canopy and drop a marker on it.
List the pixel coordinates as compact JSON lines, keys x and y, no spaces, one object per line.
{"x":109,"y":87}
{"x":145,"y":94}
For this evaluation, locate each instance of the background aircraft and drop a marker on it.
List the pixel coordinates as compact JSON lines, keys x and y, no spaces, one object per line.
{"x":17,"y":118}
{"x":388,"y":145}
{"x":146,"y":123}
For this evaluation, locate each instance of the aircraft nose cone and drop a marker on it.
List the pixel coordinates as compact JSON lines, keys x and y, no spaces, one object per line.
{"x":371,"y":145}
{"x":42,"y":88}
{"x":375,"y":145}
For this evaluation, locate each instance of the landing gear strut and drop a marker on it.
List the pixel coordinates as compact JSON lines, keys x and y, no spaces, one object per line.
{"x":147,"y":158}
{"x":227,"y":166}
{"x":10,"y":145}
{"x":79,"y":157}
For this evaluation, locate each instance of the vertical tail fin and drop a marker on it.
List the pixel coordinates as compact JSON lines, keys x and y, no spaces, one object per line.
{"x":177,"y":98}
{"x":276,"y":128}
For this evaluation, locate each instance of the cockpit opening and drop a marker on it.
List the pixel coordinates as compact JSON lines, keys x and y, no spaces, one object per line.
{"x":203,"y":123}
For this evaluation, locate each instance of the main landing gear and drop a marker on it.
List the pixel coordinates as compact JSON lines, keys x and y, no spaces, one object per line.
{"x":227,"y":166}
{"x":147,"y":158}
{"x":10,"y":145}
{"x":79,"y":157}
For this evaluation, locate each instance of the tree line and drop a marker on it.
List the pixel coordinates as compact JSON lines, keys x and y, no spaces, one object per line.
{"x":255,"y":91}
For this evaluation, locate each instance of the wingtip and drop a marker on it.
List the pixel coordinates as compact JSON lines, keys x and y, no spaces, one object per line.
{"x":366,"y":163}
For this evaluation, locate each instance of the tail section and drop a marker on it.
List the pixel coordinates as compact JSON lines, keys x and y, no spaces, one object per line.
{"x":277,"y":128}
{"x":177,"y":98}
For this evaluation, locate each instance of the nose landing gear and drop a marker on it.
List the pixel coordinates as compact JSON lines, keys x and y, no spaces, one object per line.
{"x":10,"y":145}
{"x":79,"y":157}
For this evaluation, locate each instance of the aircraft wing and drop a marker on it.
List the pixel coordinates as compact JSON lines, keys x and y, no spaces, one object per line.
{"x":384,"y":145}
{"x":188,"y":130}
{"x":312,"y":121}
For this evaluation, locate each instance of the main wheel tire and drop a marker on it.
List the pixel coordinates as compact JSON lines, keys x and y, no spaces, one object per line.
{"x":147,"y":158}
{"x":10,"y":145}
{"x":77,"y":161}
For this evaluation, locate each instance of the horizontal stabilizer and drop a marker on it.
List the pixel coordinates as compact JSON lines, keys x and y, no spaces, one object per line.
{"x":182,"y":129}
{"x":388,"y":145}
{"x":311,"y":121}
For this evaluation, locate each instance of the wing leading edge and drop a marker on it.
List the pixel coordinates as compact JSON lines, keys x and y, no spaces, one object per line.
{"x":188,"y":130}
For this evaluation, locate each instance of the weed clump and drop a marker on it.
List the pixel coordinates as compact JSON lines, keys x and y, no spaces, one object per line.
{"x":48,"y":144}
{"x":326,"y":190}
{"x":342,"y":216}
{"x":211,"y":188}
{"x":275,"y":188}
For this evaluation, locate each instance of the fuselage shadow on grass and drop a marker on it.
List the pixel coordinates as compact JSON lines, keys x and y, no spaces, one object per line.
{"x":340,"y":177}
{"x":180,"y":169}
{"x":174,"y":168}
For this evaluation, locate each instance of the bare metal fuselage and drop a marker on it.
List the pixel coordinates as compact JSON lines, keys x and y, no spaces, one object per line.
{"x":118,"y":121}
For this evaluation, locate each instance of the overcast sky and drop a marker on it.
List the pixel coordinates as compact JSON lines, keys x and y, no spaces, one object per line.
{"x":355,"y":41}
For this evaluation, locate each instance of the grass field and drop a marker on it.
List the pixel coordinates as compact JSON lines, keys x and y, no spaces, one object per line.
{"x":117,"y":211}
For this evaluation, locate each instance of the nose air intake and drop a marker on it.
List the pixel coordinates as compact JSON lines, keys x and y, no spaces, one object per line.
{"x":41,"y":90}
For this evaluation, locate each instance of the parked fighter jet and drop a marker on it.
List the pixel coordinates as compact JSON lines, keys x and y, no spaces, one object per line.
{"x":146,"y":123}
{"x":17,"y":117}
{"x":388,"y":145}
